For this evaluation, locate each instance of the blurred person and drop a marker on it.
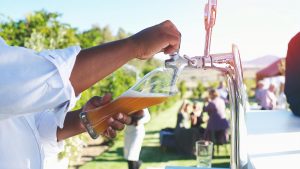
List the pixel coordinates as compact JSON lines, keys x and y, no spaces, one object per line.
{"x":222,"y":90}
{"x":217,"y":123}
{"x":38,"y":90}
{"x":133,"y":140}
{"x":196,"y":119}
{"x":281,"y":100}
{"x":259,"y":92}
{"x":183,"y":116}
{"x":196,"y":116}
{"x":269,"y":99}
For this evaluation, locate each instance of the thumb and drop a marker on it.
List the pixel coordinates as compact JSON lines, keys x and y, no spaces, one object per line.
{"x":106,"y":99}
{"x":92,"y":103}
{"x":97,"y":101}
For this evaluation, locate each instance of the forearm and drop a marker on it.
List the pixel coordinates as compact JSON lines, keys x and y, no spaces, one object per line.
{"x":72,"y":126}
{"x":93,"y":64}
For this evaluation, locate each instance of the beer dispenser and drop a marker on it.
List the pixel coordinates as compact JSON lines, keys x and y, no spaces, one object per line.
{"x":230,"y":65}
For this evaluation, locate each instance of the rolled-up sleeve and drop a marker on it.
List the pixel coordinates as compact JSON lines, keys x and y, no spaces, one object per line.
{"x":64,"y":60}
{"x":35,"y":82}
{"x":47,"y":128}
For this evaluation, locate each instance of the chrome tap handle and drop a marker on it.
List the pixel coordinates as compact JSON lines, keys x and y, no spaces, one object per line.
{"x":180,"y":62}
{"x":176,"y":62}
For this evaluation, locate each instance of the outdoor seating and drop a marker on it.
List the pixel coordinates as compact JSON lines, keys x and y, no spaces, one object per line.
{"x":181,"y":140}
{"x":167,"y":139}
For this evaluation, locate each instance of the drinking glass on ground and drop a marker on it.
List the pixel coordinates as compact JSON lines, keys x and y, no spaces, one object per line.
{"x":204,"y":151}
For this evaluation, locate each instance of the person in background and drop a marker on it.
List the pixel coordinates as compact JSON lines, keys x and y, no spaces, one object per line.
{"x":196,"y":118}
{"x":217,"y":123}
{"x":269,"y":99}
{"x":39,"y":89}
{"x":134,"y":136}
{"x":222,"y":90}
{"x":281,"y":100}
{"x":183,"y":116}
{"x":259,"y":92}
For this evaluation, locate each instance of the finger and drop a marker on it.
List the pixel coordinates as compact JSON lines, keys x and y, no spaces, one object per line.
{"x":123,"y":118}
{"x":117,"y":125}
{"x":172,"y":29}
{"x":105,"y":134}
{"x":169,"y":25}
{"x":96,"y":101}
{"x":116,"y":122}
{"x":170,"y":50}
{"x":111,"y":132}
{"x":172,"y":37}
{"x":92,"y":103}
{"x":173,"y":44}
{"x":106,"y":98}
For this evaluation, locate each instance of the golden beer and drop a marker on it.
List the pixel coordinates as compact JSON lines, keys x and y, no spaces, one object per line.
{"x":128,"y":103}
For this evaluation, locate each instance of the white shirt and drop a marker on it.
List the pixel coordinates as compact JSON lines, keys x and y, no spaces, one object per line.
{"x":35,"y":95}
{"x":281,"y":101}
{"x":134,"y":136}
{"x":269,"y":100}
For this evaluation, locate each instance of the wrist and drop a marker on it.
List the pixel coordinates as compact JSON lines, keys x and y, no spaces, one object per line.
{"x":134,"y":47}
{"x":81,"y":125}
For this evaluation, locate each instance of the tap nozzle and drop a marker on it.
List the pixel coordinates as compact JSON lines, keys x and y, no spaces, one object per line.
{"x":176,"y":62}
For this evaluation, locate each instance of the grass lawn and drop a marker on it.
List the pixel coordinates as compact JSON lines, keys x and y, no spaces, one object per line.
{"x":151,"y":154}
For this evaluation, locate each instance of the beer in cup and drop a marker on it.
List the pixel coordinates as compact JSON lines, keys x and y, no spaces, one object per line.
{"x":155,"y":88}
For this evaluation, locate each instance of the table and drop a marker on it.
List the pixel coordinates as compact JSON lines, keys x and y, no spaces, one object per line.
{"x":273,"y":139}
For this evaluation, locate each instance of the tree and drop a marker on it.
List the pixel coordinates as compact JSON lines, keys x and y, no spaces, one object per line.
{"x":107,"y":34}
{"x":39,"y":30}
{"x":182,"y":88}
{"x":199,"y":90}
{"x":122,"y":34}
{"x":91,"y":37}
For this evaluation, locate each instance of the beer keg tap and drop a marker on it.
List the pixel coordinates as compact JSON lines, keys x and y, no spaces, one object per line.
{"x":230,"y":65}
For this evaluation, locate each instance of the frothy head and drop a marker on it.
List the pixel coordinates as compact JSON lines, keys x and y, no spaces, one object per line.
{"x":132,"y":93}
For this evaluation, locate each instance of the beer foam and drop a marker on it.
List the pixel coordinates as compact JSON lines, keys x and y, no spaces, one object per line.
{"x":132,"y":93}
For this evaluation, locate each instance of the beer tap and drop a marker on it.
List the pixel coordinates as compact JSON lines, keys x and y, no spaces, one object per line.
{"x":210,"y":13}
{"x":230,"y":65}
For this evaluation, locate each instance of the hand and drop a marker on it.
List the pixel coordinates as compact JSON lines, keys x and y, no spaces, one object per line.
{"x":116,"y":122}
{"x":163,"y":37}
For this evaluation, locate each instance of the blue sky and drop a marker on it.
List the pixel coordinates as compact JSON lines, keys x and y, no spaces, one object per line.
{"x":258,"y":27}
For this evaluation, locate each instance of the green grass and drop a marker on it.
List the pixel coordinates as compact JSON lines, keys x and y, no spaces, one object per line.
{"x":151,"y":154}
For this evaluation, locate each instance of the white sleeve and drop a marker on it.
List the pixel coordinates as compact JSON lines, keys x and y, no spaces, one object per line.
{"x":47,"y":128}
{"x":146,"y":118}
{"x":34,"y":82}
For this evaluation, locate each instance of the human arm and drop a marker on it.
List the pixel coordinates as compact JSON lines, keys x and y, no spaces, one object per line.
{"x":93,"y":64}
{"x":33,"y":81}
